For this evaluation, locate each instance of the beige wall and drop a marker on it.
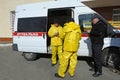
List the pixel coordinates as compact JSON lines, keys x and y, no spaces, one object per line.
{"x":5,"y":7}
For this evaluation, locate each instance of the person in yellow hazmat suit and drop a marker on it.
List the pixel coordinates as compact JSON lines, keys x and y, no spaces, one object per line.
{"x":72,"y":36}
{"x":55,"y":32}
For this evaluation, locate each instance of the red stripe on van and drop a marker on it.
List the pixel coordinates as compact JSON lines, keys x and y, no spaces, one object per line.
{"x":37,"y":34}
{"x":117,"y":35}
{"x":28,"y":33}
{"x":85,"y":35}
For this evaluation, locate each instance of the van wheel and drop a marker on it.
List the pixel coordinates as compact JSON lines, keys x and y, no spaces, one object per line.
{"x":104,"y":56}
{"x":30,"y":56}
{"x":111,"y":57}
{"x":113,"y":60}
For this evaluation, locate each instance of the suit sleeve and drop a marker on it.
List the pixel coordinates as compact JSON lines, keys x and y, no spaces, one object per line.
{"x":63,"y":33}
{"x":51,"y":32}
{"x":60,"y":32}
{"x":79,"y":34}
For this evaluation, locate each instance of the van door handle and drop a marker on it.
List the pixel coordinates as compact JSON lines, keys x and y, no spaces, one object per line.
{"x":43,"y":36}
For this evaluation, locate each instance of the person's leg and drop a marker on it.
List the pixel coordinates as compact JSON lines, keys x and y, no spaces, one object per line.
{"x":99,"y":64}
{"x":63,"y":66}
{"x":73,"y":63}
{"x":97,"y":58}
{"x":91,"y":62}
{"x":60,"y":53}
{"x":54,"y":52}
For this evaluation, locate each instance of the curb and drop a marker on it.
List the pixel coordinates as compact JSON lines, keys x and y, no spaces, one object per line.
{"x":3,"y":45}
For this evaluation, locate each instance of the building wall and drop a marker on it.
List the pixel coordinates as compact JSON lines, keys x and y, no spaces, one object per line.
{"x":5,"y":7}
{"x":106,"y":12}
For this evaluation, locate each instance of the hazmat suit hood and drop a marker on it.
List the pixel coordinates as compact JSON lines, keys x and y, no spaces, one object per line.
{"x":71,"y":26}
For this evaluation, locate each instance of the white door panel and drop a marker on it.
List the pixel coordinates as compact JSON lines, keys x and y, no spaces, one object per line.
{"x":31,"y":43}
{"x":85,"y":47}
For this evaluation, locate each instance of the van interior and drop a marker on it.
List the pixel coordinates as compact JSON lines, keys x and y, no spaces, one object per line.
{"x":61,"y":15}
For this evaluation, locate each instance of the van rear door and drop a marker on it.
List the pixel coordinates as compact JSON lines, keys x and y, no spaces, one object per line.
{"x":30,"y":32}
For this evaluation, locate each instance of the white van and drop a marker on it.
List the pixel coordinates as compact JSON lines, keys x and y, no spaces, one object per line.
{"x":32,"y":22}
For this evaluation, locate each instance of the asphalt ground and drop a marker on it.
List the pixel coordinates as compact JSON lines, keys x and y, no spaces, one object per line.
{"x":14,"y":67}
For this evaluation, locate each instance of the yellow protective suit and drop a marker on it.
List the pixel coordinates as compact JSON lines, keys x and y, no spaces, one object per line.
{"x":71,"y":35}
{"x":56,"y":42}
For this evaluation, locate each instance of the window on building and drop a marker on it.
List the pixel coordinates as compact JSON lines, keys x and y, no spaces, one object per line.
{"x":116,"y":14}
{"x":12,"y":18}
{"x":116,"y":18}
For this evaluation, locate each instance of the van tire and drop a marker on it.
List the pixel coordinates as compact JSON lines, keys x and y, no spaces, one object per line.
{"x":30,"y":56}
{"x":111,"y":57}
{"x":104,"y":56}
{"x":113,"y":60}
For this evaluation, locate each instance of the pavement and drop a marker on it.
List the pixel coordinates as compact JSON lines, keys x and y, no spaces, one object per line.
{"x":14,"y":67}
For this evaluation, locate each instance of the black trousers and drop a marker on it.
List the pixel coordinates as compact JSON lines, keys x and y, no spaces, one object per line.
{"x":97,"y":54}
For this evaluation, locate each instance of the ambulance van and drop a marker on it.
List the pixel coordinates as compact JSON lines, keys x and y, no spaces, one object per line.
{"x":32,"y":22}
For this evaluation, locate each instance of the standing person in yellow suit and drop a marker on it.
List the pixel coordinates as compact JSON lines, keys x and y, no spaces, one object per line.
{"x":72,"y":36}
{"x":55,"y":32}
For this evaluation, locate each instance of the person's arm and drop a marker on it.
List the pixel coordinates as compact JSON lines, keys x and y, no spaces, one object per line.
{"x":51,"y":32}
{"x":63,"y":33}
{"x":102,"y":29}
{"x":95,"y":33}
{"x":99,"y":31}
{"x":60,"y":32}
{"x":80,"y":34}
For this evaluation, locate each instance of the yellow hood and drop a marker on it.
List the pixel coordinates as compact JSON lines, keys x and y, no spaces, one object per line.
{"x":71,"y":26}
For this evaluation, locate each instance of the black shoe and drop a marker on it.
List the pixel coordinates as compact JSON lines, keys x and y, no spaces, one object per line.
{"x":92,"y":69}
{"x":56,"y":75}
{"x":97,"y":74}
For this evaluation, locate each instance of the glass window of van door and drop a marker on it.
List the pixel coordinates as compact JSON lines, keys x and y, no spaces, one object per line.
{"x":85,"y":22}
{"x":32,"y":24}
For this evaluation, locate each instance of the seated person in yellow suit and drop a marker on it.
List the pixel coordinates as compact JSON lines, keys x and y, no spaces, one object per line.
{"x":72,"y":36}
{"x":56,"y":42}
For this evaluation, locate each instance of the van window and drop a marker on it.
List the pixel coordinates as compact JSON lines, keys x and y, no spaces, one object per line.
{"x":36,"y":24}
{"x":85,"y":22}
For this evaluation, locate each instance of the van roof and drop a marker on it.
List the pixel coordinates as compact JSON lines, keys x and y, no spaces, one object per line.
{"x":50,"y":5}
